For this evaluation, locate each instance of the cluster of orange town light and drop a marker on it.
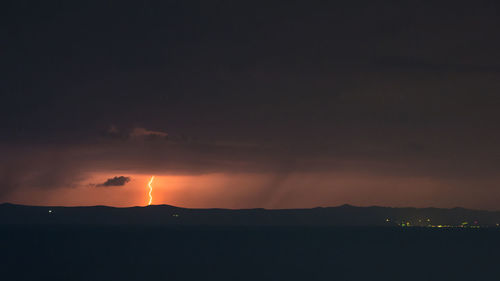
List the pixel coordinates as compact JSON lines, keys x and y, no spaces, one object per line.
{"x":427,"y":223}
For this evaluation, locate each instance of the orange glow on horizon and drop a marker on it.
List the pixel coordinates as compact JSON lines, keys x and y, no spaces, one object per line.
{"x":150,"y":190}
{"x":217,"y":190}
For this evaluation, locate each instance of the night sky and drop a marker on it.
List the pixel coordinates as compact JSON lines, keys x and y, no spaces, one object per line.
{"x":243,"y":104}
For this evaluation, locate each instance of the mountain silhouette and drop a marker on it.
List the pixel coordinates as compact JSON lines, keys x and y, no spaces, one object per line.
{"x":345,"y":215}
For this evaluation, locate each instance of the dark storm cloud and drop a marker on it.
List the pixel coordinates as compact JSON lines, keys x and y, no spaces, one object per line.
{"x":407,"y":89}
{"x":115,"y":181}
{"x":405,"y":63}
{"x":43,"y":167}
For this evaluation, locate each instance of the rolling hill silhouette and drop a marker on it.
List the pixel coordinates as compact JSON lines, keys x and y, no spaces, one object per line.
{"x":344,"y":215}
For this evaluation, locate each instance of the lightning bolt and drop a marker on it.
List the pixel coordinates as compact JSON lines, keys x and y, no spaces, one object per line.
{"x":150,"y":190}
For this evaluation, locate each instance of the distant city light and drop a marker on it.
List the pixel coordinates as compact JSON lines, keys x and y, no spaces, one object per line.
{"x":418,"y":223}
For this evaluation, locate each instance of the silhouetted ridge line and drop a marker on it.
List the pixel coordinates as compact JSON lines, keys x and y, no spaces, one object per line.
{"x":345,"y":215}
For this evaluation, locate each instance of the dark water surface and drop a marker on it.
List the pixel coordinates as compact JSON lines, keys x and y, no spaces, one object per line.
{"x":247,"y":253}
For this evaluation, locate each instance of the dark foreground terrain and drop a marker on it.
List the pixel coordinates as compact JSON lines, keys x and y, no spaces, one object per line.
{"x":63,"y":252}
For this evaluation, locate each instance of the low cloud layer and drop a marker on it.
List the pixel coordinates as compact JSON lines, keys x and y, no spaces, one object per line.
{"x":115,"y":181}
